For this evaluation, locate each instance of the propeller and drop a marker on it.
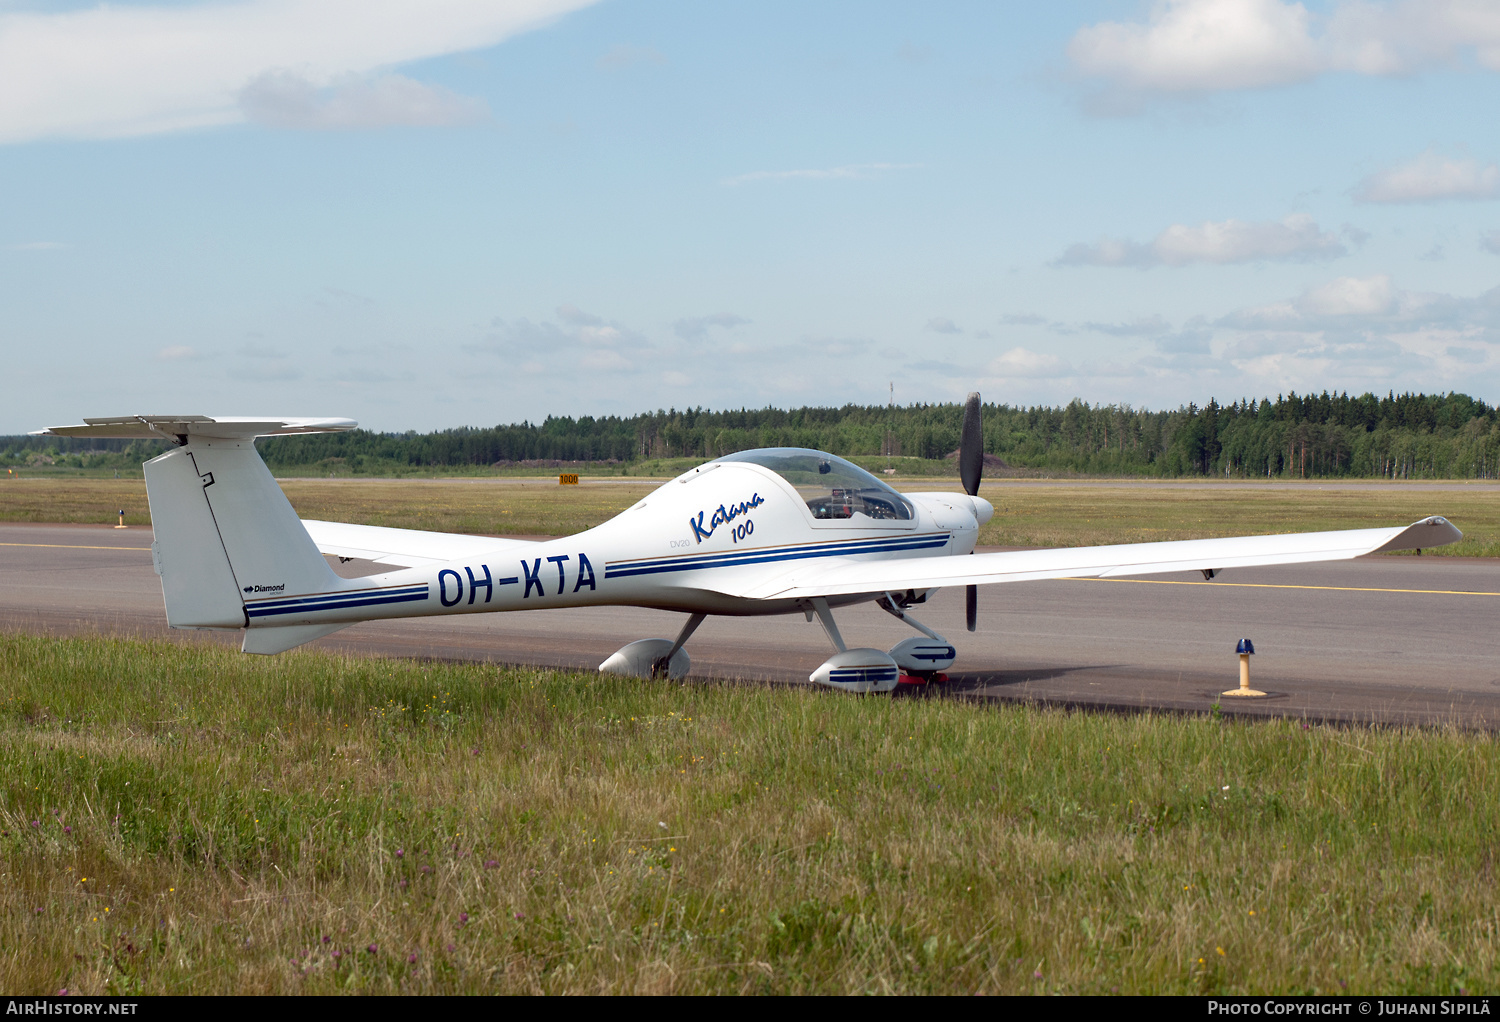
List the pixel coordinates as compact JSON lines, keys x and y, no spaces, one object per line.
{"x":971,"y":470}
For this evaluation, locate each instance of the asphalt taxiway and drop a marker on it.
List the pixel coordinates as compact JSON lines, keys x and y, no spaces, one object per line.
{"x":1401,"y":640}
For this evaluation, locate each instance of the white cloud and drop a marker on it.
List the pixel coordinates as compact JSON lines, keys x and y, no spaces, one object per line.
{"x":1373,"y":307}
{"x":1297,"y":237}
{"x":853,"y":171}
{"x":1350,"y":296}
{"x":1341,"y":303}
{"x":1196,"y":46}
{"x":1233,"y":241}
{"x":1404,"y":37}
{"x":600,"y":336}
{"x":117,"y":71}
{"x":1355,"y":332}
{"x":40,"y":246}
{"x":282,"y":99}
{"x":1201,"y":45}
{"x":1430,"y":178}
{"x":177,"y":353}
{"x":1024,"y":362}
{"x":943,"y":325}
{"x":1490,"y":242}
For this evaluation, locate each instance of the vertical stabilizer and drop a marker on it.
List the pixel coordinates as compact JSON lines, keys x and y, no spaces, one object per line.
{"x":269,"y":550}
{"x":225,"y":533}
{"x":196,"y":581}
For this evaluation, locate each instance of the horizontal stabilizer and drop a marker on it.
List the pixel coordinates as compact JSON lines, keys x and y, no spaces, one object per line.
{"x":847,"y":577}
{"x":406,"y":548}
{"x":170,"y":427}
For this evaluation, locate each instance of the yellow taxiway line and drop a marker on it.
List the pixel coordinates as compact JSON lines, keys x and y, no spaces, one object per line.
{"x":1262,"y":585}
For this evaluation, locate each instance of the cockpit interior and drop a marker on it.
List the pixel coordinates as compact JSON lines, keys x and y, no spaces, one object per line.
{"x":832,"y":487}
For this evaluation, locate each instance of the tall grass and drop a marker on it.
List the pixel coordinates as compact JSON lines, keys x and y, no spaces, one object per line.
{"x":179,"y":818}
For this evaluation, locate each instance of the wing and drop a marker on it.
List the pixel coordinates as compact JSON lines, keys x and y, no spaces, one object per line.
{"x":844,"y":577}
{"x":406,"y":548}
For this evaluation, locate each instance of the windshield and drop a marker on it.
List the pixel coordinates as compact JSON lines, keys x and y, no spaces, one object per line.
{"x":832,"y":487}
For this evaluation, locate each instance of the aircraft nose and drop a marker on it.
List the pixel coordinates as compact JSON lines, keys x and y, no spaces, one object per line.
{"x":983,"y":509}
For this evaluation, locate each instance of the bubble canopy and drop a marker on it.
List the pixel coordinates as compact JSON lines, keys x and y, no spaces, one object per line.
{"x":833,"y":488}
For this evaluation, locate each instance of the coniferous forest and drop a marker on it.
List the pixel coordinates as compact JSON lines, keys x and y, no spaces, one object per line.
{"x":1406,"y":436}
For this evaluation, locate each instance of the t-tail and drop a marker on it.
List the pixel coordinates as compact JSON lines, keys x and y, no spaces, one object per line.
{"x":224,"y":531}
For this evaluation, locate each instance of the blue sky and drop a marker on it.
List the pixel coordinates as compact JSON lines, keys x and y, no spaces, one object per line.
{"x":456,"y":212}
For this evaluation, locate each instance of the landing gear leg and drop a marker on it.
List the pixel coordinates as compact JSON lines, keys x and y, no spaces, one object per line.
{"x":825,"y":618}
{"x":920,"y":661}
{"x":888,"y":604}
{"x":659,"y":665}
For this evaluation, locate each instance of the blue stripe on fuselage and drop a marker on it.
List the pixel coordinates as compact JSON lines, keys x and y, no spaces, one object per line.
{"x":337,"y":601}
{"x":731,"y":558}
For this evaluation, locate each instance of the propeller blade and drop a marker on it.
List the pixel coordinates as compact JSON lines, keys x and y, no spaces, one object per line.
{"x":971,"y":447}
{"x":971,"y":470}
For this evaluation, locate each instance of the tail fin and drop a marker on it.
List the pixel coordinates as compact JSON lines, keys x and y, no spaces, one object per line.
{"x":224,"y":530}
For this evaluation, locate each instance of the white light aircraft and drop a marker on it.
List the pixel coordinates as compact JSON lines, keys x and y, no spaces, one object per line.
{"x":774,"y":531}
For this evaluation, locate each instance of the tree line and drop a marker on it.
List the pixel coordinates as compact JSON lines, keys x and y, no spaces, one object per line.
{"x":1404,"y":436}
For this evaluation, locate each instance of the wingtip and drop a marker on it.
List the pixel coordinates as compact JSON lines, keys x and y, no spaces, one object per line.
{"x":1432,"y":531}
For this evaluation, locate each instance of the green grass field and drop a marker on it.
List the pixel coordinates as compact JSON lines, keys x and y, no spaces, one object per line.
{"x":1029,"y":512}
{"x":178,"y":818}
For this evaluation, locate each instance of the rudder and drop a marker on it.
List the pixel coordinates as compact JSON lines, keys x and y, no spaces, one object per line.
{"x":197,"y":583}
{"x":225,"y":533}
